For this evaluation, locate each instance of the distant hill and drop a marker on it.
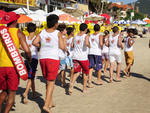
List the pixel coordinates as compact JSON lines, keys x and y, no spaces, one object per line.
{"x":144,"y":6}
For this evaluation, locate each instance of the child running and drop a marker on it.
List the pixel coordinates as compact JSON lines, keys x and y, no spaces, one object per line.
{"x":80,"y":57}
{"x":50,"y":40}
{"x":115,"y":43}
{"x":31,"y":28}
{"x":95,"y":55}
{"x":129,"y":57}
{"x":105,"y":50}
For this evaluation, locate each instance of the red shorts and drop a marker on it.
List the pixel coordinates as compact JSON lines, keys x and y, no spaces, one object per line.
{"x":49,"y":68}
{"x":81,"y":65}
{"x":9,"y":79}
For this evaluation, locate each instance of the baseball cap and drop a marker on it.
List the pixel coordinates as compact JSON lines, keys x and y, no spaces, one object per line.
{"x":7,"y":17}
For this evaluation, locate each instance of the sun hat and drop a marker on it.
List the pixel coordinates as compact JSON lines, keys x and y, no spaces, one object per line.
{"x":7,"y":17}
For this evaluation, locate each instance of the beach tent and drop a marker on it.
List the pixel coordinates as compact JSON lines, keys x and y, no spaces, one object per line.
{"x":40,"y":12}
{"x":37,"y":17}
{"x":23,"y":10}
{"x":57,"y":12}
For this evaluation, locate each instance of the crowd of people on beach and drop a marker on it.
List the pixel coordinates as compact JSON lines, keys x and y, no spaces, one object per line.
{"x":57,"y":49}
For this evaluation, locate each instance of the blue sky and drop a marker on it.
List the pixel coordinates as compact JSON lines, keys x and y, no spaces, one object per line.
{"x":125,"y":1}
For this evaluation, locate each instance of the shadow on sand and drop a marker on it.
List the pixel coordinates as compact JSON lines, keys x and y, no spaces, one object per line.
{"x":140,"y":76}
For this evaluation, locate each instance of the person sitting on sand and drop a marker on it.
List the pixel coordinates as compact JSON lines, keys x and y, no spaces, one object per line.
{"x":50,"y":41}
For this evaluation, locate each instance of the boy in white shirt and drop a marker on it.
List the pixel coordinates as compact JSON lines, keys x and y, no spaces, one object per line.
{"x":115,"y":44}
{"x":95,"y":55}
{"x":31,"y":66}
{"x":128,"y":51}
{"x":50,"y":41}
{"x":80,"y":58}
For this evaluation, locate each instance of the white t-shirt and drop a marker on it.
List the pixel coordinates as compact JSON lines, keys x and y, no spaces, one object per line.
{"x":49,"y":45}
{"x":80,"y":49}
{"x":70,"y":49}
{"x":105,"y":48}
{"x":113,"y":45}
{"x":62,"y":54}
{"x":33,"y":49}
{"x":95,"y":45}
{"x":127,"y":48}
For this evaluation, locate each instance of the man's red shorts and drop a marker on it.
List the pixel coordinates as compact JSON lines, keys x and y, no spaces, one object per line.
{"x":49,"y":68}
{"x":9,"y":79}
{"x":81,"y":65}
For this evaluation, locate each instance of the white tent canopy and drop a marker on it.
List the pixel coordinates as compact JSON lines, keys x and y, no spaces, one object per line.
{"x":37,"y":17}
{"x":40,"y":12}
{"x":138,"y":22}
{"x":23,"y":11}
{"x":57,"y":12}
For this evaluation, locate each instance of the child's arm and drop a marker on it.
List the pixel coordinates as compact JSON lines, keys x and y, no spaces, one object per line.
{"x":130,"y":42}
{"x":72,"y":43}
{"x":36,"y":41}
{"x":107,"y":42}
{"x":101,"y":41}
{"x":120,"y":42}
{"x":87,"y":43}
{"x":61,"y":42}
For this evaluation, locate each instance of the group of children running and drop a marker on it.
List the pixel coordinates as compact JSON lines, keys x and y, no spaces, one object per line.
{"x":58,"y":49}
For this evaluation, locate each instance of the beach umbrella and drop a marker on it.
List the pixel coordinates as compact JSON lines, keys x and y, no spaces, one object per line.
{"x":66,"y":18}
{"x":94,"y":17}
{"x":107,"y":17}
{"x":116,"y":22}
{"x":24,"y":19}
{"x":148,"y":25}
{"x":23,"y":11}
{"x":139,"y":22}
{"x":122,"y":22}
{"x":148,"y":21}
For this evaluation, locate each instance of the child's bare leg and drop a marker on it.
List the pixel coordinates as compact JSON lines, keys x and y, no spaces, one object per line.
{"x":127,"y":69}
{"x":111,"y":71}
{"x":90,"y":78}
{"x":99,"y":80}
{"x":10,"y":101}
{"x":25,"y":94}
{"x":3,"y":96}
{"x":74,"y":78}
{"x":49,"y":93}
{"x":85,"y":78}
{"x":71,"y":74}
{"x":63,"y":74}
{"x":118,"y":71}
{"x":106,"y":66}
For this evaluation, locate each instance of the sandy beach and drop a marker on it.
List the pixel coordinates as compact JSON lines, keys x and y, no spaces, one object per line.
{"x":132,"y":95}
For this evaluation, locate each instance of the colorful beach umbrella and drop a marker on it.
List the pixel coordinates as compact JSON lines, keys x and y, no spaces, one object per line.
{"x":24,"y":19}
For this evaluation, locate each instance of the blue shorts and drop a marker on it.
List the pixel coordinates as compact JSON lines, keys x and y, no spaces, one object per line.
{"x":31,"y":68}
{"x":62,"y":64}
{"x":69,"y":61}
{"x":95,"y":62}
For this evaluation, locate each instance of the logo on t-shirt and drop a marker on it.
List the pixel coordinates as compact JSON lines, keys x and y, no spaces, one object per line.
{"x":48,"y":40}
{"x":78,"y":41}
{"x":93,"y":40}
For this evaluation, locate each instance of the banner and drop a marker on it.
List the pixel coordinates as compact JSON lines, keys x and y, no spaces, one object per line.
{"x":13,"y":52}
{"x":21,"y":2}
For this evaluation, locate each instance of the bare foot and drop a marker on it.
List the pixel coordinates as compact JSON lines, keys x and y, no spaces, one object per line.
{"x":125,"y":72}
{"x":99,"y":82}
{"x":47,"y":109}
{"x":90,"y":85}
{"x":52,"y":106}
{"x":25,"y":99}
{"x":84,"y":90}
{"x":118,"y":80}
{"x":70,"y":90}
{"x":110,"y":80}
